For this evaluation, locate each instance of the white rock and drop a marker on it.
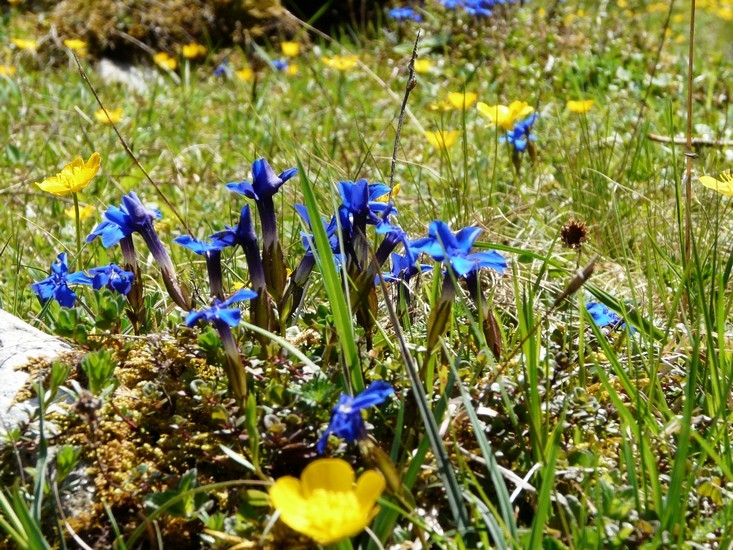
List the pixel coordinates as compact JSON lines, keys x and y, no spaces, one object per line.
{"x":20,"y":342}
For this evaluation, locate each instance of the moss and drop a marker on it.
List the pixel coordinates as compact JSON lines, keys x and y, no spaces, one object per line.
{"x":133,"y":28}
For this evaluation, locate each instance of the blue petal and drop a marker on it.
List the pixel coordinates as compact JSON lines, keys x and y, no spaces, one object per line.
{"x":243,"y":188}
{"x":466,"y":237}
{"x":64,"y":295}
{"x":375,"y":394}
{"x":239,"y":296}
{"x":230,"y":316}
{"x":462,"y":266}
{"x":491,"y":259}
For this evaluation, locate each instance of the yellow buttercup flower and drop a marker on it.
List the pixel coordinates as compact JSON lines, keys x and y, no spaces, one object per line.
{"x":245,"y":74}
{"x":115,"y":116}
{"x":505,"y":116}
{"x":724,"y":185}
{"x":290,"y":49}
{"x":341,"y":62}
{"x":441,"y":139}
{"x":73,"y":177}
{"x":462,"y":101}
{"x":423,"y":66}
{"x":77,"y":46}
{"x":85,"y":212}
{"x":325,"y":503}
{"x":27,"y":44}
{"x":580,"y":106}
{"x":165,"y":61}
{"x":192,"y":50}
{"x":7,"y":70}
{"x":292,"y":69}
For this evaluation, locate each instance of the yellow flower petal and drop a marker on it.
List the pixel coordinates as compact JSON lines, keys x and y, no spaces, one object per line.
{"x":76,"y":45}
{"x":369,"y":487}
{"x":724,"y":185}
{"x":7,"y":70}
{"x":165,"y":61}
{"x":328,"y":474}
{"x":73,"y":177}
{"x":462,"y":101}
{"x":245,"y":74}
{"x":290,"y":49}
{"x":193,"y":50}
{"x":441,"y":139}
{"x":579,"y":106}
{"x":423,"y":66}
{"x":505,"y":116}
{"x":27,"y":44}
{"x":115,"y":116}
{"x":325,"y":504}
{"x":341,"y":62}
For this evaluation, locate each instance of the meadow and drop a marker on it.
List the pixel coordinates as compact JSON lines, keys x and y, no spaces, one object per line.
{"x":512,"y":328}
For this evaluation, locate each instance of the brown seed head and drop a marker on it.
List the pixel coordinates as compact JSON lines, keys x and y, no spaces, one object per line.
{"x":573,"y":234}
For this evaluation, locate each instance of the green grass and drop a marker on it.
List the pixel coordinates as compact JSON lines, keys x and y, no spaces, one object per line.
{"x":625,"y":437}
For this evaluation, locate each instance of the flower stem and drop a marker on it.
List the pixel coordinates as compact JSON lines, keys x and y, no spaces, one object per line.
{"x":78,"y":224}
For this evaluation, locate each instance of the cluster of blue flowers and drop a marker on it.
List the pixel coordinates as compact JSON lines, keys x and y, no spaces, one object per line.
{"x":57,"y":285}
{"x":276,"y":297}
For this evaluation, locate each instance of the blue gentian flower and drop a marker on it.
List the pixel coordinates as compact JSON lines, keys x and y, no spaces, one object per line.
{"x":280,"y":64}
{"x":211,"y":251}
{"x":223,"y":70}
{"x":521,"y":135}
{"x":243,"y":234}
{"x":404,"y":267}
{"x":360,"y":207}
{"x":56,"y":285}
{"x":346,"y":420}
{"x":112,"y":277}
{"x":604,"y":317}
{"x":359,"y":201}
{"x":199,"y":247}
{"x":130,"y":217}
{"x":455,"y":250}
{"x":400,"y":14}
{"x":220,"y":313}
{"x":265,"y":184}
{"x":224,"y":318}
{"x":133,"y":217}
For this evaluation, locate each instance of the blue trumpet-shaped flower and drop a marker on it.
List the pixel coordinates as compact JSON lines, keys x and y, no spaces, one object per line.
{"x":211,"y":251}
{"x":347,"y":421}
{"x":130,"y":217}
{"x":221,"y":314}
{"x":265,"y":184}
{"x":56,"y":285}
{"x":112,"y":277}
{"x":360,"y":206}
{"x":133,"y":217}
{"x":455,"y":250}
